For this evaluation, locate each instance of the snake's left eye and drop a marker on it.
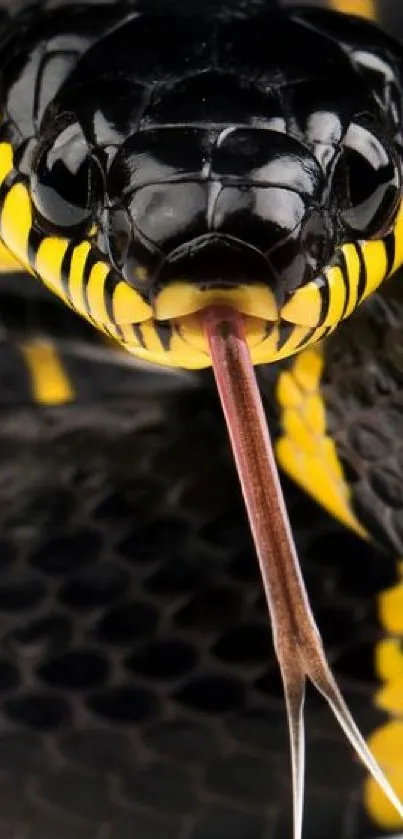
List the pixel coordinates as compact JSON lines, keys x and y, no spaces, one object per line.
{"x":367,"y":184}
{"x":65,"y":180}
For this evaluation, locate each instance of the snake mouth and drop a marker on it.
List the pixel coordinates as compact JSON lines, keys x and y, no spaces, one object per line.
{"x":173,"y":336}
{"x":355,"y":271}
{"x":269,"y":335}
{"x":272,"y":333}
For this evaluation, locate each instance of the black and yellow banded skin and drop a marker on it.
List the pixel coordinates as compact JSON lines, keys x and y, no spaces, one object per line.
{"x":171,"y":157}
{"x":155,"y":159}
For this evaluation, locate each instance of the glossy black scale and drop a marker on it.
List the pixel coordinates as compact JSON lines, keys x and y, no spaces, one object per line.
{"x":363,"y":391}
{"x":201,"y":148}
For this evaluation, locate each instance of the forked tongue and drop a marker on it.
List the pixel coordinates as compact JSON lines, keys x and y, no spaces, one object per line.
{"x":296,"y":637}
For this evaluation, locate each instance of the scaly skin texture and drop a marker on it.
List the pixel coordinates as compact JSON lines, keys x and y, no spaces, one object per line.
{"x":363,"y":390}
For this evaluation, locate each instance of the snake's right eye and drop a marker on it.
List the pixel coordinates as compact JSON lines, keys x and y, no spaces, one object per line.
{"x":367,"y":182}
{"x":66,"y":181}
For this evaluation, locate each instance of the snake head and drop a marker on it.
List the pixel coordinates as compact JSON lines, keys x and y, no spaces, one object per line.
{"x":292,"y":234}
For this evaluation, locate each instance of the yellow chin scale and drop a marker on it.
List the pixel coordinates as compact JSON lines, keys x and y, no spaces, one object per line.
{"x":181,"y":299}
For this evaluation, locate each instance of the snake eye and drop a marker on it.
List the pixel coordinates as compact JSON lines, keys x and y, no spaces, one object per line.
{"x":65,"y":180}
{"x":367,"y":183}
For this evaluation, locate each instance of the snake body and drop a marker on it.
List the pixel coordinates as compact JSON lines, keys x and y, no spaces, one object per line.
{"x":155,"y":158}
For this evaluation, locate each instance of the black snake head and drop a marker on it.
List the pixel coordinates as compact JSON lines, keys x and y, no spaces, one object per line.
{"x":193,"y":215}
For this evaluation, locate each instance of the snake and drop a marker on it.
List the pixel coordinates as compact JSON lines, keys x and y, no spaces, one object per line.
{"x":157,"y":158}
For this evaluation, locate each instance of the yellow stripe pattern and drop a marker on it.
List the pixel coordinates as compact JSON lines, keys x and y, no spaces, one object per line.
{"x":357,"y":270}
{"x":305,"y":451}
{"x":50,"y":382}
{"x":362,"y":8}
{"x":8,"y":262}
{"x":59,"y":268}
{"x":387,"y":741}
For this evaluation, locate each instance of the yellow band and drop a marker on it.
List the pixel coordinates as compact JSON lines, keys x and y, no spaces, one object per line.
{"x":49,"y":380}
